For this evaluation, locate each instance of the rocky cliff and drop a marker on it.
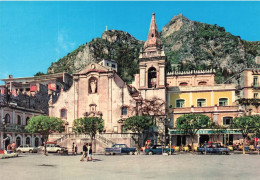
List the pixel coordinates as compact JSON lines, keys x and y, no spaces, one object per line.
{"x":116,"y":45}
{"x":188,"y":45}
{"x":194,"y":45}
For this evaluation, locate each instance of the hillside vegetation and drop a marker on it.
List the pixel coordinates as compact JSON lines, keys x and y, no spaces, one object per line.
{"x":188,"y":45}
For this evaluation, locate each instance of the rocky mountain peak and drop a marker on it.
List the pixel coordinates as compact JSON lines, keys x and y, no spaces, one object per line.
{"x":176,"y":24}
{"x":116,"y":36}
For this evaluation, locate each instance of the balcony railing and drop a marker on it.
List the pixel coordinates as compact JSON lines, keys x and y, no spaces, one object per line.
{"x":12,"y":128}
{"x":255,"y":85}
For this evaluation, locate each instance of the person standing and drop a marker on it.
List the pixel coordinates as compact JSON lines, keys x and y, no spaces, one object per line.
{"x":9,"y":148}
{"x":84,"y":152}
{"x":90,"y":153}
{"x":73,"y":148}
{"x":13,"y":147}
{"x":76,"y":149}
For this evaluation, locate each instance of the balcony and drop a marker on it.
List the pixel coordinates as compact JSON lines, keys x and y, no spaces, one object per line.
{"x":255,"y":86}
{"x":13,"y":128}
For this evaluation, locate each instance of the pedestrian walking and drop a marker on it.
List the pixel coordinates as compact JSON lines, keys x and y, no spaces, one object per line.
{"x":90,"y":153}
{"x":76,"y":149}
{"x":84,"y":152}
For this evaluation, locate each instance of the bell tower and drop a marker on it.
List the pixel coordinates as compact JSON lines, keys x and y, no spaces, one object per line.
{"x":152,"y":60}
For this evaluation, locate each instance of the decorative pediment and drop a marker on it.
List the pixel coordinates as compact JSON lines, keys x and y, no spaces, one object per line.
{"x":93,"y":67}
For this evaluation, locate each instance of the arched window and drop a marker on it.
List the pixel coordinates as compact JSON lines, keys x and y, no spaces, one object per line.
{"x":36,"y":142}
{"x":27,"y":120}
{"x":27,"y":140}
{"x":152,"y":77}
{"x":19,"y":120}
{"x":63,"y":114}
{"x":7,"y":118}
{"x":93,"y":85}
{"x":227,"y":120}
{"x":201,"y":102}
{"x":183,"y":84}
{"x":180,"y":103}
{"x":223,"y":101}
{"x":18,"y":141}
{"x":202,"y":83}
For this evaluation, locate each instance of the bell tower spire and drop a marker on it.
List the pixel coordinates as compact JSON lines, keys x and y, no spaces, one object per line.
{"x":152,"y":61}
{"x":153,"y":41}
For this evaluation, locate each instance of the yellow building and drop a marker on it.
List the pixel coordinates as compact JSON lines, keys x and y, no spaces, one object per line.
{"x":216,"y":101}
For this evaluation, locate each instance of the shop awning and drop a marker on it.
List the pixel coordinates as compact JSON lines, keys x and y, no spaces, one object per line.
{"x":207,"y":131}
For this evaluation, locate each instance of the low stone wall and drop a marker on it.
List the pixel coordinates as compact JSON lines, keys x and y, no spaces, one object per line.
{"x":4,"y":156}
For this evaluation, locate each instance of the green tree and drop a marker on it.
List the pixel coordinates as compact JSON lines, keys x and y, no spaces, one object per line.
{"x":217,"y":131}
{"x":190,"y":124}
{"x":246,"y":125}
{"x":39,"y":74}
{"x":138,"y":124}
{"x":89,"y":125}
{"x":45,"y":125}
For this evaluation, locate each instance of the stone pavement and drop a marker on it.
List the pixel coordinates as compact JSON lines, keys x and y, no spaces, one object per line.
{"x":182,"y":166}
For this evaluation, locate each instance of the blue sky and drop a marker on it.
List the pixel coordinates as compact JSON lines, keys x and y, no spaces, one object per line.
{"x":34,"y":34}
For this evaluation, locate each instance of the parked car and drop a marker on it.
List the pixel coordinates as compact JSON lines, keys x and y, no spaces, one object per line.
{"x":120,"y":149}
{"x":158,"y":149}
{"x":213,"y":148}
{"x":27,"y":148}
{"x":54,"y":148}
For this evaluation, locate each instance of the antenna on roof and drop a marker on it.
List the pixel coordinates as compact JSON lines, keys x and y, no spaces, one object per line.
{"x":106,"y":28}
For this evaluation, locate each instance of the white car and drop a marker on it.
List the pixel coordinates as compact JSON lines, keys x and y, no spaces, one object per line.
{"x":26,"y":148}
{"x":53,"y":148}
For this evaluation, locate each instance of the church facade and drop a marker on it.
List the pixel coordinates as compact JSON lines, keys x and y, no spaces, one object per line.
{"x":99,"y":91}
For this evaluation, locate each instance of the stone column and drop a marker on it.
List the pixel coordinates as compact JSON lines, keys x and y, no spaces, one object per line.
{"x":13,"y":117}
{"x":76,"y":91}
{"x":2,"y":144}
{"x":23,"y":139}
{"x":14,"y":139}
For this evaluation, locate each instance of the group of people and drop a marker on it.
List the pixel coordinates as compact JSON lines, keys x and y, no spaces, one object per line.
{"x":11,"y":147}
{"x":87,"y":152}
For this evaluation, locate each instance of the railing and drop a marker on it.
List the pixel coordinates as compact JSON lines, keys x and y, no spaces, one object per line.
{"x":66,"y":136}
{"x":13,"y":128}
{"x":255,"y":85}
{"x":119,"y":135}
{"x":103,"y":139}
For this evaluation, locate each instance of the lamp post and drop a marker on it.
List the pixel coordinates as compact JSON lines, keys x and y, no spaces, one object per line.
{"x":3,"y":123}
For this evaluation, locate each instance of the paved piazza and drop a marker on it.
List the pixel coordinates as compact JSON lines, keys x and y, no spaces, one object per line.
{"x":182,"y":166}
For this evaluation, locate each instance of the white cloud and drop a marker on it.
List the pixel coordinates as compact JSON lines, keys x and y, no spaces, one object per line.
{"x":64,"y":45}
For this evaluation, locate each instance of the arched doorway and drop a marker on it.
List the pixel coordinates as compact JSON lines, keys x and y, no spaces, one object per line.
{"x":36,"y":142}
{"x":7,"y":118}
{"x":27,"y":119}
{"x":18,"y":141}
{"x":152,"y":77}
{"x":19,"y":120}
{"x":27,"y":140}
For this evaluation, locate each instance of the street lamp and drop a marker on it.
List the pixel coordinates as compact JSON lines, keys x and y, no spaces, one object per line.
{"x":3,"y":123}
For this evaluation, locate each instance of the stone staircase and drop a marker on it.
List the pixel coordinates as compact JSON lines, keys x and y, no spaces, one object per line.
{"x":100,"y":143}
